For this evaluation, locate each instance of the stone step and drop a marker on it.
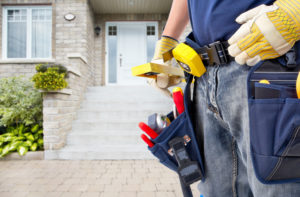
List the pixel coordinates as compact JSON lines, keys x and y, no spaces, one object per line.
{"x":113,"y":132}
{"x":128,"y":106}
{"x":107,"y":123}
{"x":86,"y":125}
{"x":105,"y":139}
{"x":111,"y":152}
{"x":123,"y":116}
{"x":122,"y":89}
{"x":125,"y":98}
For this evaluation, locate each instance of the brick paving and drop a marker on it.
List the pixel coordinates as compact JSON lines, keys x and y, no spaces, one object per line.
{"x":126,"y":178}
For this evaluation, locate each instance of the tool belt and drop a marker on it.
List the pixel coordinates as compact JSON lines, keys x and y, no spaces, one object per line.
{"x":179,"y":139}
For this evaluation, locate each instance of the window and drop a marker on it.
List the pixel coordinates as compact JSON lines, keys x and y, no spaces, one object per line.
{"x":150,"y":30}
{"x":112,"y":30}
{"x":151,"y":40}
{"x":27,"y":32}
{"x":112,"y":51}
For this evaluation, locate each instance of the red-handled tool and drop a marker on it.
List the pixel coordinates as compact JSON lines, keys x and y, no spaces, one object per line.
{"x":147,"y":140}
{"x":148,"y":130}
{"x":178,"y":99}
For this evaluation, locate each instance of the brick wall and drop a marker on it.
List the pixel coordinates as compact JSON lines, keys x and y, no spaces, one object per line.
{"x":75,"y":36}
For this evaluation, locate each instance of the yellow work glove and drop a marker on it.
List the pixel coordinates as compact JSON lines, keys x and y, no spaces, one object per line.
{"x":267,"y":32}
{"x":163,"y":81}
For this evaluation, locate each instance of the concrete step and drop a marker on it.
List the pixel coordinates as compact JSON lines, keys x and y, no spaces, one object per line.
{"x":86,"y":125}
{"x":107,"y":123}
{"x":112,"y":132}
{"x":117,"y":93}
{"x":131,"y":98}
{"x":114,"y":116}
{"x":112,"y":152}
{"x":128,"y":106}
{"x":122,"y":89}
{"x":105,"y":139}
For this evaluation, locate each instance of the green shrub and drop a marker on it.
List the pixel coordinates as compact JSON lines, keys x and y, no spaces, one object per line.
{"x":50,"y":77}
{"x":21,"y":138}
{"x":20,"y":103}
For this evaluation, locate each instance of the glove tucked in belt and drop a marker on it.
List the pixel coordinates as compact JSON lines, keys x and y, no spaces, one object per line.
{"x":267,"y":32}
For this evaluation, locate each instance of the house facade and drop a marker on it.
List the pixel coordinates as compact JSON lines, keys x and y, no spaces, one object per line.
{"x":97,"y":40}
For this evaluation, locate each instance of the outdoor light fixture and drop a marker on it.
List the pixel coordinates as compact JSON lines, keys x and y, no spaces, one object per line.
{"x":131,"y":3}
{"x":69,"y":17}
{"x":97,"y":30}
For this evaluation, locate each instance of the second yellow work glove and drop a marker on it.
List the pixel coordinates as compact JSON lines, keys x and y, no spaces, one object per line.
{"x":267,"y":32}
{"x":163,"y":81}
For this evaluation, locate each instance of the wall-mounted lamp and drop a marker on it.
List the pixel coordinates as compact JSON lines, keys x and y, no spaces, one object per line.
{"x":97,"y":30}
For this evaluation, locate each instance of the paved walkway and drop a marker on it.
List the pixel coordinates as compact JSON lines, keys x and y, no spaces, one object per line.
{"x":130,"y":178}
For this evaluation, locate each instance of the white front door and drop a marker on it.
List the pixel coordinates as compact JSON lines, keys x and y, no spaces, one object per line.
{"x":134,"y":45}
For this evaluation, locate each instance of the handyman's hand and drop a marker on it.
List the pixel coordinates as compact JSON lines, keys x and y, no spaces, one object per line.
{"x":163,"y":81}
{"x":267,"y":32}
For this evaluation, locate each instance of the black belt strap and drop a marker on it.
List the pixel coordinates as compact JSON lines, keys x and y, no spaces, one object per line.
{"x":215,"y":54}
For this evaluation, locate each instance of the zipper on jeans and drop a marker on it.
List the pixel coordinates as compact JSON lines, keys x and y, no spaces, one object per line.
{"x":234,"y":167}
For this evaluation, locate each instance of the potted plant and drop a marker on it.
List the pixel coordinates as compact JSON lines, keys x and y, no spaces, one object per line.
{"x":50,"y":77}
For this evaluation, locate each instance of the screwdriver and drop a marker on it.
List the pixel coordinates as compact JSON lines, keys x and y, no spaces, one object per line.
{"x":178,"y":99}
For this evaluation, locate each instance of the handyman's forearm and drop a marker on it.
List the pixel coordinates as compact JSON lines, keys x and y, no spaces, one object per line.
{"x":178,"y":19}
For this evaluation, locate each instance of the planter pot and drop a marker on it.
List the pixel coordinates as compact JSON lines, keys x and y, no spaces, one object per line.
{"x":63,"y":91}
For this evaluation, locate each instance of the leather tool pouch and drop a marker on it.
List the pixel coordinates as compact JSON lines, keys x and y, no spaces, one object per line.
{"x":274,"y":112}
{"x":181,"y":127}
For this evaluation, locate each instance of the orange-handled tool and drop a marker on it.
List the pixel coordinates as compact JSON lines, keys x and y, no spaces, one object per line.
{"x":147,"y":140}
{"x":178,"y":99}
{"x":148,"y":130}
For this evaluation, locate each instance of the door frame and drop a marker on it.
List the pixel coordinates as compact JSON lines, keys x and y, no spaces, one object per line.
{"x":117,"y":23}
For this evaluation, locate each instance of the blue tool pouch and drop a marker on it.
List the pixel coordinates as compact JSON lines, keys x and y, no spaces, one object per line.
{"x":182,"y":126}
{"x":274,"y":112}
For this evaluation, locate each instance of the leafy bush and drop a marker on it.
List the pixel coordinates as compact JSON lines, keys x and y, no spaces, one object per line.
{"x":21,"y":116}
{"x":21,"y":138}
{"x":50,"y":77}
{"x":20,"y":103}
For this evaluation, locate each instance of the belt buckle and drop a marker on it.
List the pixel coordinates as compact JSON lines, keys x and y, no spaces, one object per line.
{"x":216,"y":53}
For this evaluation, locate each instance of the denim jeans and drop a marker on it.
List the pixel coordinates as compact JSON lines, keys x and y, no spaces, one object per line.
{"x":222,"y":121}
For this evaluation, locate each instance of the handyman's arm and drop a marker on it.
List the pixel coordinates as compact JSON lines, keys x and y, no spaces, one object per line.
{"x":178,"y":19}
